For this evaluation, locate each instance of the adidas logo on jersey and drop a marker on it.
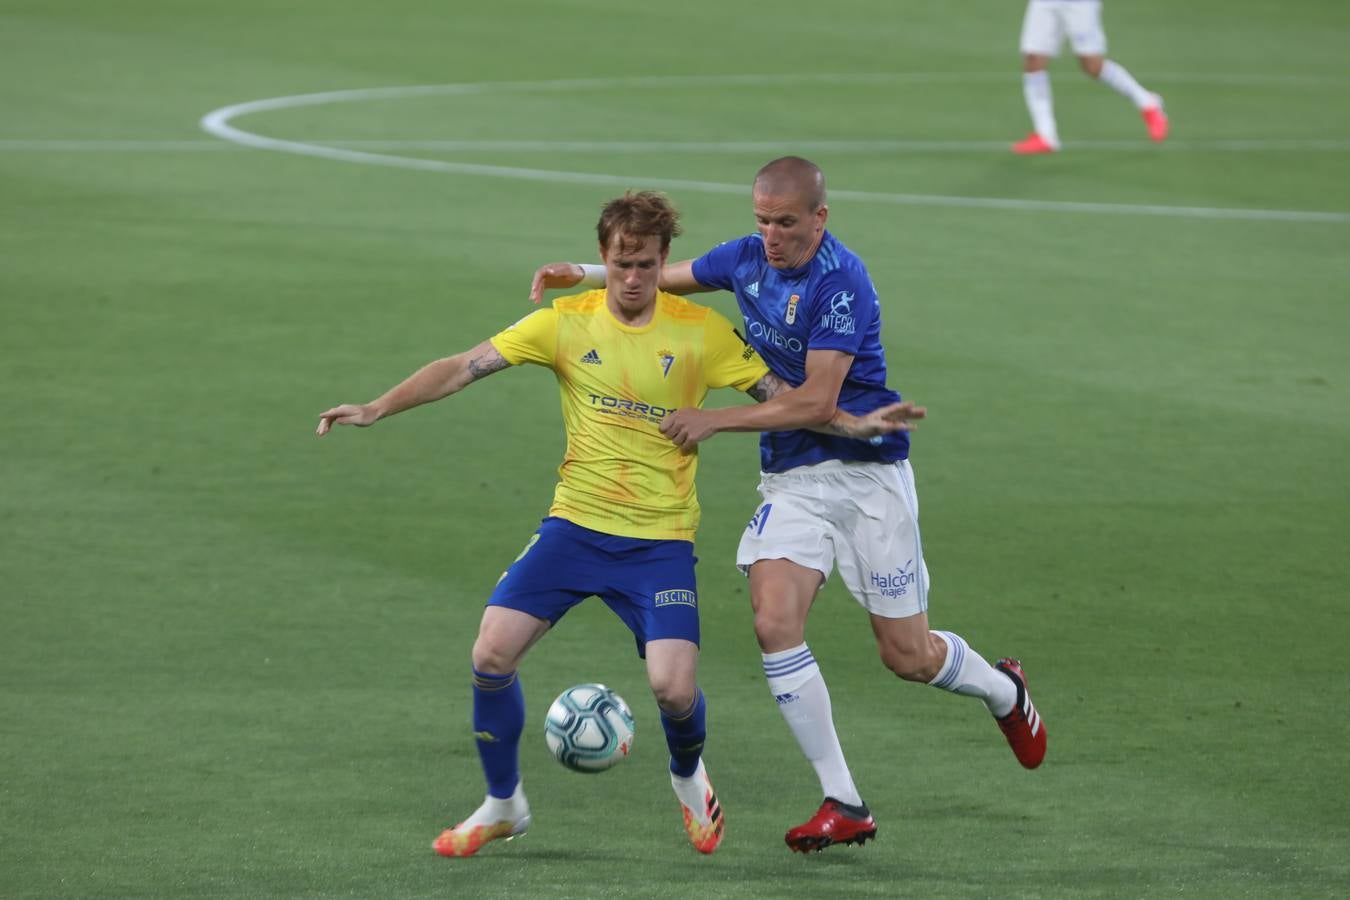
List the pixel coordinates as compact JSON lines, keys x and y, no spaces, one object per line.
{"x":753,"y":289}
{"x":592,"y":358}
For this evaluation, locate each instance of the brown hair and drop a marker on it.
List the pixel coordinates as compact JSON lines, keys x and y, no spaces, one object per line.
{"x":636,"y":216}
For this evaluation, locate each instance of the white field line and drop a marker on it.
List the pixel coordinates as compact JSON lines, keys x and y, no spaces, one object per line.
{"x":218,"y":123}
{"x":1000,"y":147}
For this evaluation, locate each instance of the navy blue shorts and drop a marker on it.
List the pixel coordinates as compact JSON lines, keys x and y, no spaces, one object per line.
{"x":649,"y":584}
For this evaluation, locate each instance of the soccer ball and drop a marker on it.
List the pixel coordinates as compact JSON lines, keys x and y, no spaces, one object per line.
{"x":589,"y":728}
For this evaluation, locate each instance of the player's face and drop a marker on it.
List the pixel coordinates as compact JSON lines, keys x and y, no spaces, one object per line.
{"x":791,"y":231}
{"x":632,"y":271}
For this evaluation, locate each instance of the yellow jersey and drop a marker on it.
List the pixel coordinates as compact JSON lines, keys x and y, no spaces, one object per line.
{"x":620,"y":475}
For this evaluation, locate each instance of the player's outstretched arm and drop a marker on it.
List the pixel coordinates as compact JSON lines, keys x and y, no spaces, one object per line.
{"x":885,"y":420}
{"x":434,"y":381}
{"x":678,"y":278}
{"x":553,"y":276}
{"x":810,"y":405}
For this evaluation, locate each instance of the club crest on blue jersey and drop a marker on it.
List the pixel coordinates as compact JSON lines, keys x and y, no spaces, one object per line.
{"x":791,"y":315}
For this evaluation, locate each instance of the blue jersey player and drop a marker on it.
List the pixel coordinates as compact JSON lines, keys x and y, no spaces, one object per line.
{"x":810,"y":309}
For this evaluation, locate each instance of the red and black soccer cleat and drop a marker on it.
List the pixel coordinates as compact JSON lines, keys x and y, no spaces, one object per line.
{"x":833,"y":823}
{"x":1022,"y":726}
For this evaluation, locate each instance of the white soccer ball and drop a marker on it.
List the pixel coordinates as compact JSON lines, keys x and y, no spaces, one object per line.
{"x":589,"y":728}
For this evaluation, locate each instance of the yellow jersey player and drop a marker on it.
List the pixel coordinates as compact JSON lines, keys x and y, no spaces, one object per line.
{"x":624,"y":513}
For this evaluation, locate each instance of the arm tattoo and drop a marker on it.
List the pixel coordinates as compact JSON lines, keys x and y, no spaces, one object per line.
{"x":485,"y":363}
{"x":768,"y":387}
{"x":771,"y":386}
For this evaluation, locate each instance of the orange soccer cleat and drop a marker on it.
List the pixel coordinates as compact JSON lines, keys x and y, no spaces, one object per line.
{"x":1033,"y":144}
{"x":1156,"y":120}
{"x":496,"y":819}
{"x":833,"y":823}
{"x":1022,"y":726}
{"x":704,"y":823}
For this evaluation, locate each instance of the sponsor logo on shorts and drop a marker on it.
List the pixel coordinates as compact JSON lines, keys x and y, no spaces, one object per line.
{"x":676,"y":598}
{"x":896,"y":585}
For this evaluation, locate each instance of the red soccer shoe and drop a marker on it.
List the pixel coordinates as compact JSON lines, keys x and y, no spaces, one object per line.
{"x":1156,"y":120}
{"x":1033,"y":144}
{"x":1022,"y":726}
{"x":833,"y":823}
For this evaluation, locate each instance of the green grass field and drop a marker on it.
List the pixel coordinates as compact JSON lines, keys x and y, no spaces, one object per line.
{"x":234,"y":658}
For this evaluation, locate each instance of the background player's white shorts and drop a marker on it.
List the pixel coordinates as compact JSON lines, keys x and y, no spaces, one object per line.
{"x":1048,"y":22}
{"x":862,"y":516}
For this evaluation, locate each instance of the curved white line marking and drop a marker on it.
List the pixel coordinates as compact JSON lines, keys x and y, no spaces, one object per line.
{"x":167,"y":145}
{"x":218,"y":122}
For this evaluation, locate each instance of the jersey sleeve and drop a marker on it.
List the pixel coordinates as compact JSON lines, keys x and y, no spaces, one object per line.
{"x":534,"y":339}
{"x":844,"y":307}
{"x":717,"y":267}
{"x":728,"y":361}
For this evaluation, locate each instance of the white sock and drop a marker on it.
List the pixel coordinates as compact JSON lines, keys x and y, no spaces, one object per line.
{"x":1041,"y":105}
{"x":1116,"y":77}
{"x":514,"y":809}
{"x":966,"y":672}
{"x":799,"y":688}
{"x":693,"y":791}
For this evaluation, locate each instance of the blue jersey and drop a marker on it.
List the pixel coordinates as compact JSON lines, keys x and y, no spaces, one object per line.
{"x":827,"y":304}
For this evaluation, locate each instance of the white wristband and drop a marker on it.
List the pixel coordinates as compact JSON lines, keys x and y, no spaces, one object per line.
{"x":592,"y":276}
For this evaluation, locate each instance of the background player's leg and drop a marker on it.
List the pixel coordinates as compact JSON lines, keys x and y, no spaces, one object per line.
{"x":781,"y":593}
{"x":1040,"y":104}
{"x":1042,"y":35}
{"x":1117,"y":77}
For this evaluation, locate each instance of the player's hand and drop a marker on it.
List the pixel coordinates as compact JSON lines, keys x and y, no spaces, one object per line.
{"x":886,"y":420}
{"x":686,"y":427}
{"x":347,"y":414}
{"x":554,"y":275}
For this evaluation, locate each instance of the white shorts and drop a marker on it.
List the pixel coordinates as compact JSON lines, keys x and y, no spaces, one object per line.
{"x":1048,"y":22}
{"x":862,"y":516}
